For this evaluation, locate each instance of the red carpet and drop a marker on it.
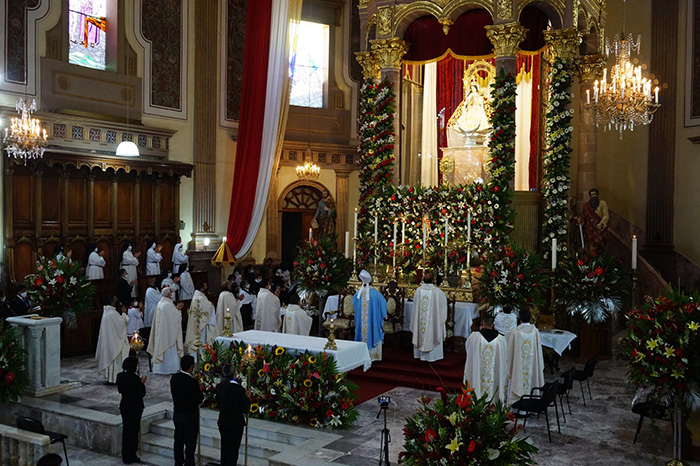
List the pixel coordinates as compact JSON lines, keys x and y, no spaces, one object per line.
{"x":398,"y":368}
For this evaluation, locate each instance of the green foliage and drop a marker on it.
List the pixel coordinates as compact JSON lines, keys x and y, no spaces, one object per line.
{"x":13,"y":374}
{"x":296,"y":388}
{"x":320,"y":267}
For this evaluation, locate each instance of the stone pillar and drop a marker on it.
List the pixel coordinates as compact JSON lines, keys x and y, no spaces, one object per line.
{"x":589,"y":68}
{"x":506,"y":38}
{"x":205,"y":88}
{"x":341,"y":203}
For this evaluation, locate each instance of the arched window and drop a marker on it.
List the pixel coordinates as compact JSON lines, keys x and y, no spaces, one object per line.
{"x":87,"y":27}
{"x":308,"y":67}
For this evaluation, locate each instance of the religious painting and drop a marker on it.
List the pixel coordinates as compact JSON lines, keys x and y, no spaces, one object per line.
{"x":692,"y":94}
{"x":86,"y":28}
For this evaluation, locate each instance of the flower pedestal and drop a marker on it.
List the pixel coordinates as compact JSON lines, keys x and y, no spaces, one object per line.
{"x":596,"y":340}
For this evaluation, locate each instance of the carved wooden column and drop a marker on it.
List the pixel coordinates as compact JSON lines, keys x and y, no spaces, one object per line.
{"x":342,"y":185}
{"x":137,"y":205}
{"x":273,"y":241}
{"x":590,"y":68}
{"x":205,"y":88}
{"x":506,"y":39}
{"x":38,"y":188}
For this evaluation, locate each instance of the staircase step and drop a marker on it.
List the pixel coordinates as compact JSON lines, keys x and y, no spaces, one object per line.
{"x":163,"y":446}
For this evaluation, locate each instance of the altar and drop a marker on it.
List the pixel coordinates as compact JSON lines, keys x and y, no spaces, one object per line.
{"x":465,"y":313}
{"x":349,"y":355}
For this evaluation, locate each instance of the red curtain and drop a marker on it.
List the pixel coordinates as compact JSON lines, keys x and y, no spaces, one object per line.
{"x":536,"y":22}
{"x":254,"y":82}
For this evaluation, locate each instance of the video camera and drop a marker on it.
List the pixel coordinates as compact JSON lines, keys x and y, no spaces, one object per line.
{"x":384,"y":401}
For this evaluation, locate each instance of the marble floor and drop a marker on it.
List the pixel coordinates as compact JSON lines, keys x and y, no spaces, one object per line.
{"x":599,"y":434}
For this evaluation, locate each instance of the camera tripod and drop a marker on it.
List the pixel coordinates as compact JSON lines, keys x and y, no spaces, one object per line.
{"x":385,"y":438}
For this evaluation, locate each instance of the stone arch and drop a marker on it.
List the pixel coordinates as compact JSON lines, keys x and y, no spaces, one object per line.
{"x":412,"y":11}
{"x":554,"y":9}
{"x":319,"y":187}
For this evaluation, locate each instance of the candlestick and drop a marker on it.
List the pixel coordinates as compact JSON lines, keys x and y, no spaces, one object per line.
{"x":656,"y":95}
{"x":394,"y":259}
{"x":554,"y":253}
{"x":311,"y":235}
{"x":347,"y":244}
{"x":227,"y":325}
{"x":588,"y":96}
{"x":580,"y":231}
{"x":469,"y":225}
{"x":376,"y":228}
{"x":403,"y":232}
{"x":634,"y":252}
{"x":355,"y":230}
{"x":354,"y":277}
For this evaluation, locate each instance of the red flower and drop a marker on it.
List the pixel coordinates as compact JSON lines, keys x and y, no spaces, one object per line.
{"x":9,"y":377}
{"x":599,"y":271}
{"x":329,"y":413}
{"x":429,"y":435}
{"x":443,"y":393}
{"x":471,"y":446}
{"x":59,"y":279}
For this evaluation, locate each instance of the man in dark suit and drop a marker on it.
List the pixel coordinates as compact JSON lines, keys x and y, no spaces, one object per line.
{"x":186,"y":400}
{"x":133,"y":390}
{"x":19,"y":304}
{"x":234,"y":404}
{"x":124,"y":289}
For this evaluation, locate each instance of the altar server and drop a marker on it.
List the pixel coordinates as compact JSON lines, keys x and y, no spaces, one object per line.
{"x":267,"y":310}
{"x":207,"y":321}
{"x":135,"y":317}
{"x":112,"y":343}
{"x":370,"y":312}
{"x":165,"y":344}
{"x":485,"y":369}
{"x":506,"y":320}
{"x":150,"y":302}
{"x":153,"y":258}
{"x":186,"y":285}
{"x":229,"y":301}
{"x":525,"y":361}
{"x":95,"y":266}
{"x":179,"y":258}
{"x":130,"y":263}
{"x":428,"y":321}
{"x":296,"y":320}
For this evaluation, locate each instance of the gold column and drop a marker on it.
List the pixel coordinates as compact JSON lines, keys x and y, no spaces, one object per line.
{"x":342,"y":188}
{"x":274,"y":242}
{"x":369,"y":64}
{"x":506,"y":39}
{"x":563,"y":42}
{"x":38,"y":189}
{"x":589,"y":68}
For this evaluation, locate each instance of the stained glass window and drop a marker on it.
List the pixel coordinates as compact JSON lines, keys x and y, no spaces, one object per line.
{"x":308,"y":67}
{"x":86,"y":29}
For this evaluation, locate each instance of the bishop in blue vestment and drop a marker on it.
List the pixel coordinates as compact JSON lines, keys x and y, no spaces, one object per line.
{"x":370,"y":311}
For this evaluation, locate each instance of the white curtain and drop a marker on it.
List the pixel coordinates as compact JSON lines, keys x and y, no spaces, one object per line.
{"x":429,"y":134}
{"x":523,"y":113}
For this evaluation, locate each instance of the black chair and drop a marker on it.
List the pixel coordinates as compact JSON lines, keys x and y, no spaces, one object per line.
{"x":538,"y":404}
{"x":584,"y":375}
{"x":652,"y":409}
{"x":564,"y":388}
{"x":32,"y":425}
{"x":145,"y":335}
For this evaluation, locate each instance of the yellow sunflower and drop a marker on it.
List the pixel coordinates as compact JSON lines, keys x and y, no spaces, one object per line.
{"x":207,"y":367}
{"x":314,"y":422}
{"x":279,"y":351}
{"x":260,"y":373}
{"x":307,"y":383}
{"x":312,"y":359}
{"x":254,"y":407}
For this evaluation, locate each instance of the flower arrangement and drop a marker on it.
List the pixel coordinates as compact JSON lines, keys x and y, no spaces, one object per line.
{"x":590,"y":284}
{"x":512,"y":276}
{"x":661,"y":345}
{"x":557,"y":159}
{"x":13,"y":375}
{"x":320,"y":267}
{"x":296,"y":388}
{"x":60,"y":289}
{"x":463,"y":429}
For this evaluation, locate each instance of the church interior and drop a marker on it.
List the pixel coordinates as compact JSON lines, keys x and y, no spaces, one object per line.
{"x":407,"y":138}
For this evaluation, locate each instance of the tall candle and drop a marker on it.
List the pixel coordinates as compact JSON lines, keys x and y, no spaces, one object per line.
{"x":394,"y":263}
{"x":425,"y":236}
{"x":580,"y":231}
{"x":588,"y":96}
{"x":311,"y":235}
{"x":347,"y":244}
{"x":376,"y":228}
{"x":634,"y":252}
{"x":446,"y":227}
{"x":469,"y":226}
{"x":403,"y":232}
{"x":355,"y":230}
{"x":554,"y":253}
{"x":656,"y":92}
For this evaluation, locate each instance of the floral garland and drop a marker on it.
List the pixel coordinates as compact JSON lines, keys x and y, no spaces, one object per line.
{"x":590,"y":284}
{"x":60,"y":289}
{"x":13,"y":374}
{"x":661,"y":345}
{"x":320,"y":267}
{"x":512,"y":276}
{"x":463,"y":429}
{"x":557,"y":159}
{"x":286,"y":387}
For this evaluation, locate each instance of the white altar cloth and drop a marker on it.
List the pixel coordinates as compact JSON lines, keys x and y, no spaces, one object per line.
{"x":465,"y":313}
{"x":349,"y":355}
{"x":558,"y":340}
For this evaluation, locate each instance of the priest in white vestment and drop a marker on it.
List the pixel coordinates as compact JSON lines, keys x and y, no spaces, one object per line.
{"x":112,"y":342}
{"x":428,"y":321}
{"x":267,"y":310}
{"x":150,"y":302}
{"x":370,"y":312}
{"x":296,"y":320}
{"x":506,"y":320}
{"x":95,"y":265}
{"x":130,"y":263}
{"x":165,"y":344}
{"x":135,"y":318}
{"x":229,"y":303}
{"x":525,"y":361}
{"x":486,"y":365}
{"x":179,"y":258}
{"x":207,"y":321}
{"x":186,"y":285}
{"x":153,"y":258}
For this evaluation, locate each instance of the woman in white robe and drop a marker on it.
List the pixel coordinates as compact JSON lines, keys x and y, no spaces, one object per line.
{"x":153,"y":258}
{"x":179,"y":258}
{"x":130,"y":262}
{"x":229,"y":301}
{"x":95,"y":265}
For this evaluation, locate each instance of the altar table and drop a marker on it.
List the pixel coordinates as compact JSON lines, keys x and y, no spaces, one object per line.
{"x":465,"y":313}
{"x":349,"y":355}
{"x":558,"y":340}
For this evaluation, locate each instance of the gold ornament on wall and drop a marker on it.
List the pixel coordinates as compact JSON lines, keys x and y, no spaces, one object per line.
{"x":564,"y":42}
{"x":369,"y":64}
{"x":388,"y":52}
{"x":504,"y":9}
{"x":447,"y":166}
{"x":506,"y":38}
{"x":384,"y":19}
{"x":446,"y":23}
{"x":590,"y":67}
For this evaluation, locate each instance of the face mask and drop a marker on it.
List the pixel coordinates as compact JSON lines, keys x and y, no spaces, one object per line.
{"x":129,"y":248}
{"x":258,"y":280}
{"x":23,"y":294}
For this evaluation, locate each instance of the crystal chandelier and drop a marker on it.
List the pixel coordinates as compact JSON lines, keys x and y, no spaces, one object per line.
{"x":308,"y":171}
{"x":627,"y":99}
{"x":25,"y":139}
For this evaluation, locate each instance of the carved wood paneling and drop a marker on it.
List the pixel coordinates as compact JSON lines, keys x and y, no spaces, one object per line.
{"x":51,"y":200}
{"x":22,"y":205}
{"x":125,"y":204}
{"x":24,"y":258}
{"x":77,"y":197}
{"x":147,"y":205}
{"x":103,"y":203}
{"x":167,"y":218}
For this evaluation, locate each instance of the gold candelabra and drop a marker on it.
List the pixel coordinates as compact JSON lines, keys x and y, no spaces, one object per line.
{"x":227,"y":325}
{"x":248,"y":358}
{"x":330,"y":344}
{"x":136,"y":345}
{"x":354,"y":277}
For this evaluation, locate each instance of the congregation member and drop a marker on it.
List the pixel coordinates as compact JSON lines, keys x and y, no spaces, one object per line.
{"x":173,"y":281}
{"x":525,"y":360}
{"x":234,"y":405}
{"x":229,"y":302}
{"x":153,"y":258}
{"x":165,"y":344}
{"x":186,"y":285}
{"x":130,"y":263}
{"x":132,"y":389}
{"x":18,"y":305}
{"x":180,"y":258}
{"x":267,"y":312}
{"x":207,"y":321}
{"x":186,"y":400}
{"x":506,"y":320}
{"x":486,"y":365}
{"x":150,"y":301}
{"x":123,"y":288}
{"x":135,"y":314}
{"x":428,"y":321}
{"x":296,"y":320}
{"x":112,"y":342}
{"x":370,"y":312}
{"x":95,"y":265}
{"x":248,"y":303}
